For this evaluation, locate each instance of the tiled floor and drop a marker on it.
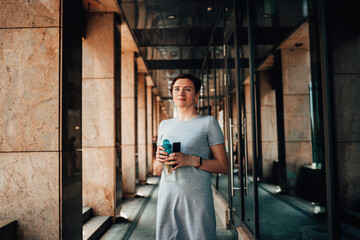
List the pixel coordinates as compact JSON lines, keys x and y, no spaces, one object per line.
{"x":141,"y":213}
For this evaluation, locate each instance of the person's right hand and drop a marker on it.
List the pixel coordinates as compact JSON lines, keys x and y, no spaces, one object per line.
{"x":161,"y":155}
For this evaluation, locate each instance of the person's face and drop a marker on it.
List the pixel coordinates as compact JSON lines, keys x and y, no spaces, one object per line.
{"x":183,"y":93}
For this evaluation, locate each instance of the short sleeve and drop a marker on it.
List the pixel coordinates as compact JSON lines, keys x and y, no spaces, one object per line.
{"x":215,"y":135}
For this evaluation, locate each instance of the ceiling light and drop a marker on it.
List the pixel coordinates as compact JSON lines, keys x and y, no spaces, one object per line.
{"x":265,"y":15}
{"x":209,"y":8}
{"x":298,"y":44}
{"x":171,"y":17}
{"x":173,"y":54}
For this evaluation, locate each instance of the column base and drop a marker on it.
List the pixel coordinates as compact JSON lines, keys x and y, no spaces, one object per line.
{"x":128,"y":195}
{"x":142,"y":182}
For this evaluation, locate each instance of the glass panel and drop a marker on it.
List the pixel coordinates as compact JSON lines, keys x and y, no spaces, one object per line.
{"x":289,"y":157}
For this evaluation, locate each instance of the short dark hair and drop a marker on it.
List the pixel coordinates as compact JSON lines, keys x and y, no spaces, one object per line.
{"x":191,"y":77}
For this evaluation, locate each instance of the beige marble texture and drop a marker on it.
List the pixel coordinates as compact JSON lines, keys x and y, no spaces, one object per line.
{"x":269,"y":155}
{"x":127,"y":74}
{"x":149,"y":129}
{"x":29,"y":89}
{"x":127,"y":41}
{"x":297,"y":118}
{"x":296,"y":71}
{"x":128,"y":169}
{"x":347,"y":107}
{"x":267,"y":94}
{"x":98,"y":47}
{"x":34,"y":13}
{"x":30,"y":193}
{"x":268,"y":123}
{"x":297,"y":154}
{"x":141,"y":131}
{"x":99,"y":180}
{"x":98,"y":113}
{"x":127,"y":121}
{"x":100,"y":6}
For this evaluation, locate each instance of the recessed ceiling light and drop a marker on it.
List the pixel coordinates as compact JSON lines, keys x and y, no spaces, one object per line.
{"x":209,"y":8}
{"x":265,"y":15}
{"x":171,"y":17}
{"x":173,"y":54}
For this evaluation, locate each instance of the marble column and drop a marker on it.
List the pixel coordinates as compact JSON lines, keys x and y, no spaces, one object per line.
{"x":158,"y":112}
{"x":149,"y":123}
{"x":128,"y":161}
{"x":296,"y":78}
{"x":155,"y":127}
{"x":99,"y":114}
{"x":141,"y":128}
{"x":40,"y":118}
{"x":269,"y":140}
{"x":248,"y":126}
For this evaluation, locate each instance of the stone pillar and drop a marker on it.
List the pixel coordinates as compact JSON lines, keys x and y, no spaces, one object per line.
{"x":158,"y":112}
{"x":40,"y":118}
{"x":248,"y":126}
{"x":128,"y":161}
{"x":99,"y":114}
{"x":141,"y":131}
{"x":296,"y":78}
{"x":155,"y":127}
{"x":269,"y":140}
{"x":149,"y":122}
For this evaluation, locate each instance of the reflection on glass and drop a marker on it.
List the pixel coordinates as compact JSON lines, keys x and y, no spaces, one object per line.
{"x":291,"y":187}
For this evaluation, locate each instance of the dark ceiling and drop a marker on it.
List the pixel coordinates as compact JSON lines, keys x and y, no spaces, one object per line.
{"x":173,"y":36}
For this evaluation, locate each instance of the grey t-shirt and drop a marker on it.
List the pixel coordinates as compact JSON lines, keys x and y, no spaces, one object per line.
{"x":185,"y":208}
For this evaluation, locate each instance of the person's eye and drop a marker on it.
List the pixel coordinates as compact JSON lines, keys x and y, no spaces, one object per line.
{"x":176,"y":89}
{"x":188,"y":89}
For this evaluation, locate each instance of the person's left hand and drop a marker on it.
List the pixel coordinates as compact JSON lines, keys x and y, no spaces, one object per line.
{"x":179,"y":159}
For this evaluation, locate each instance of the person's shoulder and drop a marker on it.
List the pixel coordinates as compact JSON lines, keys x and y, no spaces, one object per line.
{"x":208,"y":118}
{"x":167,"y":121}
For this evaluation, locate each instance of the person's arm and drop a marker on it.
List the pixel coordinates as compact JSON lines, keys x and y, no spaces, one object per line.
{"x":219,"y":163}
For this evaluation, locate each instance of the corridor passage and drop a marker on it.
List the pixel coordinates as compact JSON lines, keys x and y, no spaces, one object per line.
{"x":139,"y":217}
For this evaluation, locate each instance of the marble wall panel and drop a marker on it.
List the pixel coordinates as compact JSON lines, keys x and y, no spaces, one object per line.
{"x":25,"y":14}
{"x":127,"y":74}
{"x":31,"y":181}
{"x":297,"y":118}
{"x":348,"y":155}
{"x":296,"y":71}
{"x":128,"y":121}
{"x":149,"y":129}
{"x":347,"y":106}
{"x":268,"y":123}
{"x":99,"y":180}
{"x":98,"y":47}
{"x":29,"y":89}
{"x":267,"y":94}
{"x":98,"y":119}
{"x":269,"y":155}
{"x":297,"y":154}
{"x":129,"y":169}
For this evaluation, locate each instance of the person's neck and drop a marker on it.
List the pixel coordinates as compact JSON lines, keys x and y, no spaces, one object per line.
{"x":186,"y":114}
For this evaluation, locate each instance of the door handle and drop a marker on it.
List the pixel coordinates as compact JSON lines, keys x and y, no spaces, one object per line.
{"x":232,"y":158}
{"x":246,"y":158}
